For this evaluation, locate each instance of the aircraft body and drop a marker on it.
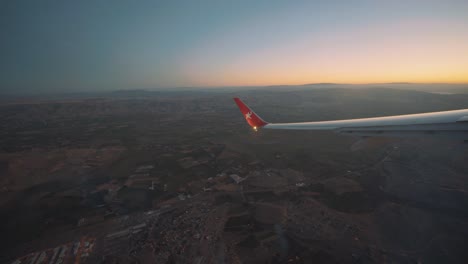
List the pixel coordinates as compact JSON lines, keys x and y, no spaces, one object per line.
{"x":452,"y":124}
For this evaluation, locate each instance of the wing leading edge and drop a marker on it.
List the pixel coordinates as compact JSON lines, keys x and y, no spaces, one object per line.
{"x":453,"y":124}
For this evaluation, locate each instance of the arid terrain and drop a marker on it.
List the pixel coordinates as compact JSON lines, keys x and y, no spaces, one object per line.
{"x":179,"y":177}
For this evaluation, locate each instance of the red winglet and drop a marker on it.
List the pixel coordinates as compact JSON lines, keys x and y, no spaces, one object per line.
{"x":250,"y":116}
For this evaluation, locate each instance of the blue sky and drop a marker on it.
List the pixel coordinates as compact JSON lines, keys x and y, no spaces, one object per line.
{"x":107,"y":45}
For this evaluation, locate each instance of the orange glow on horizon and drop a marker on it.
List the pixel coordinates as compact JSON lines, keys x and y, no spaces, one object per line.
{"x":415,"y":51}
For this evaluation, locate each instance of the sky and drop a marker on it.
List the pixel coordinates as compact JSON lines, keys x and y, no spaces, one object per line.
{"x":102,"y":45}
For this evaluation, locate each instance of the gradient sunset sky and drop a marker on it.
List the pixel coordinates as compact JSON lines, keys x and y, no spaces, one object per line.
{"x":106,"y":45}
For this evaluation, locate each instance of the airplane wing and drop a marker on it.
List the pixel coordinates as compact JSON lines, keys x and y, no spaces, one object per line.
{"x":452,"y":124}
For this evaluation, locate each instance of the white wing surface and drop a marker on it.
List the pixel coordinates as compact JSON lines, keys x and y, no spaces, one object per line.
{"x":453,"y":124}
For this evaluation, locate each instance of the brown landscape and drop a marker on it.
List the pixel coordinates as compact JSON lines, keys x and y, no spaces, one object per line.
{"x":178,"y":177}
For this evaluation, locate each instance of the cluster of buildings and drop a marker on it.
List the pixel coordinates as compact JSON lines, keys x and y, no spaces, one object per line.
{"x":73,"y":252}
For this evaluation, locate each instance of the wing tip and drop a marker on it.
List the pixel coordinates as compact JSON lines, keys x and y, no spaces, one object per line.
{"x":250,"y":116}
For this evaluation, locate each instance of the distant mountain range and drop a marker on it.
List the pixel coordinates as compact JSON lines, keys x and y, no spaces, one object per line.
{"x":439,"y":88}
